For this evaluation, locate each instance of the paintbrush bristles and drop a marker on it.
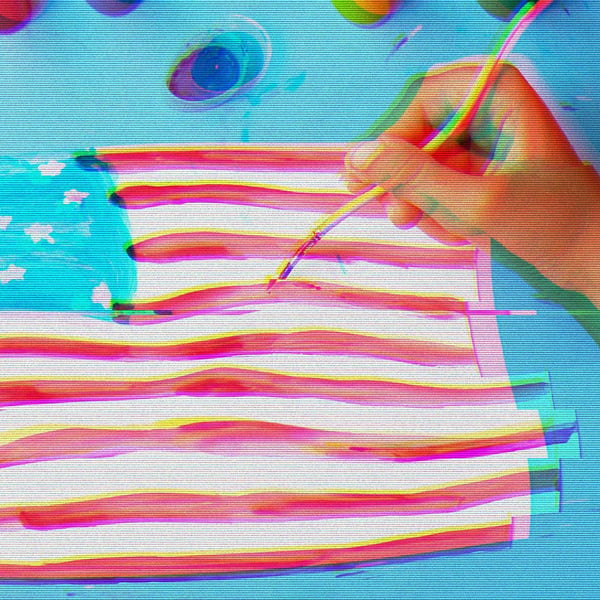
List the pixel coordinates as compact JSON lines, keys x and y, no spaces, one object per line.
{"x":325,"y":225}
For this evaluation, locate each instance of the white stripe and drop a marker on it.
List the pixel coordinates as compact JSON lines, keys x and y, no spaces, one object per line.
{"x":53,"y":481}
{"x":289,"y":364}
{"x":163,"y":279}
{"x":283,"y":316}
{"x":291,"y":180}
{"x":317,"y":414}
{"x":266,"y":221}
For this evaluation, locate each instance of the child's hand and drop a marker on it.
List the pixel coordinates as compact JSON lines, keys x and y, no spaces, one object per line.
{"x":512,"y":176}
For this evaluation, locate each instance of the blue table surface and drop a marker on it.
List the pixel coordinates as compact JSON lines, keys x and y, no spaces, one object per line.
{"x":75,"y":79}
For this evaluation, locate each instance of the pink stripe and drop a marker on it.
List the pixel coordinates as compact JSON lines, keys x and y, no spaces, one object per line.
{"x":204,"y":245}
{"x":115,"y":567}
{"x":234,"y":382}
{"x":311,"y":342}
{"x":259,"y":438}
{"x":219,"y":298}
{"x":323,"y":158}
{"x":264,"y":507}
{"x":146,"y":196}
{"x":483,"y":324}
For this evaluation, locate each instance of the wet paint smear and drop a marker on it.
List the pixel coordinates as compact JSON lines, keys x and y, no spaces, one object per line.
{"x":230,"y":382}
{"x":316,"y":342}
{"x":268,"y":507}
{"x":260,"y":438}
{"x":341,"y":263}
{"x":157,"y":565}
{"x":216,"y":299}
{"x":403,"y":39}
{"x":211,"y":244}
{"x":567,"y":106}
{"x":293,"y":83}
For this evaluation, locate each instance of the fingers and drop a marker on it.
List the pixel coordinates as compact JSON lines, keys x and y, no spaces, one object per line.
{"x":411,"y":176}
{"x":401,"y":204}
{"x":434,"y":230}
{"x":476,"y":181}
{"x":402,"y":214}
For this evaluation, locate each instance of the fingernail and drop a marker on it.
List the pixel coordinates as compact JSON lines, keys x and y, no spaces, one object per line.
{"x":363,"y":154}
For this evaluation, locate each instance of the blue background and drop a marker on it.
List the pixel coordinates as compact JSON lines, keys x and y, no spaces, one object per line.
{"x":76,"y":79}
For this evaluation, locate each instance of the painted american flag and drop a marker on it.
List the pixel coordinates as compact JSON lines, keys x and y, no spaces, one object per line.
{"x":359,"y":411}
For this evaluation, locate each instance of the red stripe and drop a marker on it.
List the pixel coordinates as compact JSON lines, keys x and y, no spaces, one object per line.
{"x":204,"y":245}
{"x":234,"y":382}
{"x":312,"y":342}
{"x":265,"y":507}
{"x":259,"y":438}
{"x":114,"y":567}
{"x":216,"y":299}
{"x":319,"y":159}
{"x":149,"y":195}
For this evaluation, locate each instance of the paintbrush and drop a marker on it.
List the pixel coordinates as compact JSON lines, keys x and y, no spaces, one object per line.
{"x":459,"y":121}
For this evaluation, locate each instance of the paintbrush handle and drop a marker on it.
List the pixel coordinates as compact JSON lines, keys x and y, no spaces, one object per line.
{"x":330,"y":221}
{"x":321,"y":228}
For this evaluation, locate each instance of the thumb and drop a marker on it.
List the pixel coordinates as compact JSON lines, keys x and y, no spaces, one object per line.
{"x":457,"y":201}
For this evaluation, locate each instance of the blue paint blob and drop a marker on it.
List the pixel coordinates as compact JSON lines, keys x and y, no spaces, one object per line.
{"x":114,"y":8}
{"x":215,"y":69}
{"x":222,"y":65}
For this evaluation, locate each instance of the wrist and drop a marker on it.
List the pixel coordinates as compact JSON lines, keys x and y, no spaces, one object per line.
{"x":590,"y":288}
{"x":587,"y":250}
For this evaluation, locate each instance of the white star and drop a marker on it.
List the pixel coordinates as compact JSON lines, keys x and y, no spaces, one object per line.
{"x":4,"y":222}
{"x":101,"y":295}
{"x":74,"y":196}
{"x":12,"y":273}
{"x":39,"y":232}
{"x":51,"y":168}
